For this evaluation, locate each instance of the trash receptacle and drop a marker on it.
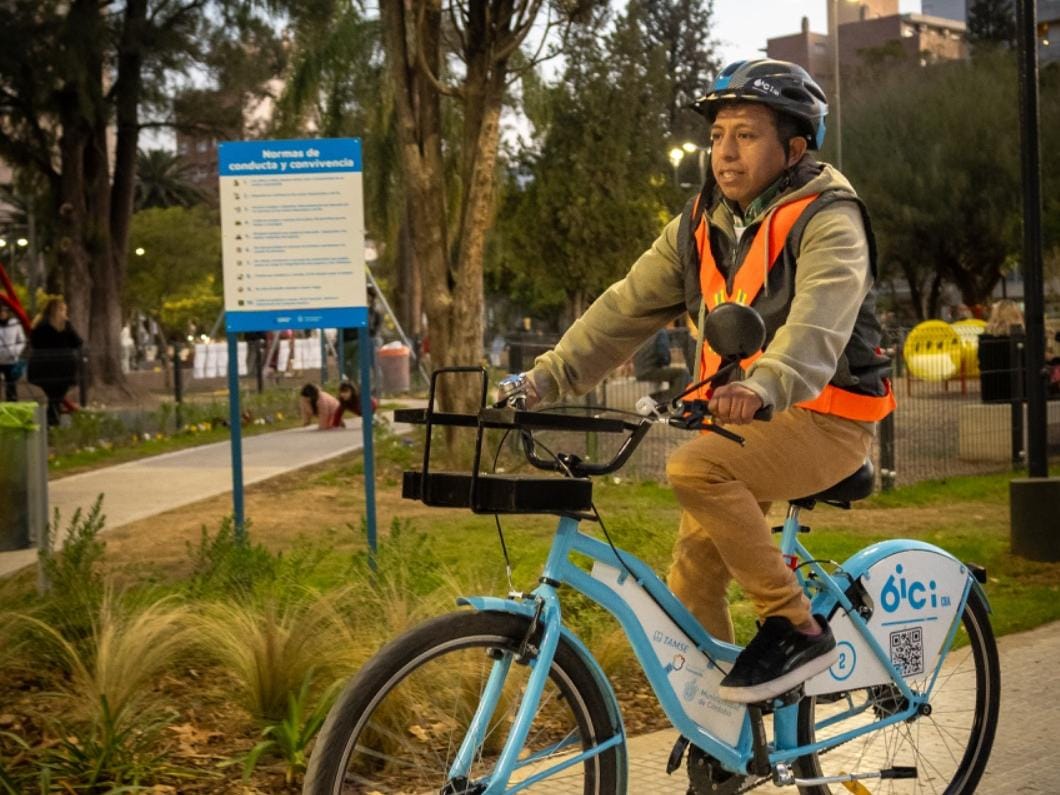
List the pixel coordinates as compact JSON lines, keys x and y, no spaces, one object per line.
{"x":394,"y":368}
{"x":23,"y":474}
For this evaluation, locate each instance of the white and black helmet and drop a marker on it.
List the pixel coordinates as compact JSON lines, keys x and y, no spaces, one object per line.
{"x":785,"y":87}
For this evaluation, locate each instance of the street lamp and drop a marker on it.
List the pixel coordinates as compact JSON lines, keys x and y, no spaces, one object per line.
{"x":689,"y":147}
{"x":676,"y":156}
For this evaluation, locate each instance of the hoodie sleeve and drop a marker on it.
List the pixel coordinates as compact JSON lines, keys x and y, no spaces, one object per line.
{"x":832,"y":279}
{"x":615,"y":325}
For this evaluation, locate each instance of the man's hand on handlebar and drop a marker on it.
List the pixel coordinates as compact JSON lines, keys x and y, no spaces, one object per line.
{"x":517,"y":391}
{"x":734,"y":404}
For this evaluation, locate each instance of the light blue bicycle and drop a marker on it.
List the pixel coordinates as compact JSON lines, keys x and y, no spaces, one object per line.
{"x":500,"y":697}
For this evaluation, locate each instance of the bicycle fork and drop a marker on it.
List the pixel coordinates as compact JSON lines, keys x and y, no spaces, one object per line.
{"x":538,"y":655}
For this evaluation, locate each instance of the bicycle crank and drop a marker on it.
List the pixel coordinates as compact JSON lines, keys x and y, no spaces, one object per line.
{"x":784,"y":777}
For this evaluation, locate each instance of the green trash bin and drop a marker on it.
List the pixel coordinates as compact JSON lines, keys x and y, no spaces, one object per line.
{"x":23,"y":474}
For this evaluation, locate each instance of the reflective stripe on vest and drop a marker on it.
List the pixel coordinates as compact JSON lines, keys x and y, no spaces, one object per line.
{"x":749,"y":280}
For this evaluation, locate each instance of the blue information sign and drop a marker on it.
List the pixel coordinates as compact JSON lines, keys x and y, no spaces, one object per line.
{"x":292,"y":222}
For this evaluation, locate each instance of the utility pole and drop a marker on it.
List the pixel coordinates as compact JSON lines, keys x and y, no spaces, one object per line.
{"x":1034,"y":501}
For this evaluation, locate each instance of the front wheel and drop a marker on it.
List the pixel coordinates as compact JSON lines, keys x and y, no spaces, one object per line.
{"x":398,"y":725}
{"x":949,"y":747}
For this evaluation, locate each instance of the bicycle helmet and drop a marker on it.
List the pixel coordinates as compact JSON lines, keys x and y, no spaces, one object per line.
{"x":785,"y":87}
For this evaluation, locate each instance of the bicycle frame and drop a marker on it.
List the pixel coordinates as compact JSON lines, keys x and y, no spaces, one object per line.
{"x":676,"y":634}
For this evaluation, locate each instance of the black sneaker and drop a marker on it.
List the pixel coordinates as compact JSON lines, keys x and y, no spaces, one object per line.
{"x":778,"y":659}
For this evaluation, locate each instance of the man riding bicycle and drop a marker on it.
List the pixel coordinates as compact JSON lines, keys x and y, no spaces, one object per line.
{"x":778,"y":230}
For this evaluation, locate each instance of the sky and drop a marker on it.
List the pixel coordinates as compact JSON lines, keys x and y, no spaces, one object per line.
{"x":742,"y":26}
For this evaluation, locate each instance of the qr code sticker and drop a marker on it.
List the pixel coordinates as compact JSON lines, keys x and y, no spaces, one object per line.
{"x":907,"y":651}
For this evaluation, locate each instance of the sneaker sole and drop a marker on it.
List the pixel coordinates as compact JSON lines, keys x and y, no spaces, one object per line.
{"x":780,"y":686}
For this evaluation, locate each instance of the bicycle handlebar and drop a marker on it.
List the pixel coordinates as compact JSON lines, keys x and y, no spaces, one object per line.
{"x":509,"y":414}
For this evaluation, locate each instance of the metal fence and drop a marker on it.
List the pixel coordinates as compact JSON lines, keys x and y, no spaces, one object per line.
{"x":971,"y":423}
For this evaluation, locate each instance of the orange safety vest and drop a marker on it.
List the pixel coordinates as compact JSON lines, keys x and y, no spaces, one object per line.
{"x":748,"y":282}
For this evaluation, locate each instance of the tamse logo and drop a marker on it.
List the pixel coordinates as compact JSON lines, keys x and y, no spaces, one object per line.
{"x":765,"y":87}
{"x":913,"y":592}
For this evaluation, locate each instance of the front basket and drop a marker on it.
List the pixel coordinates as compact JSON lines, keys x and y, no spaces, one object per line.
{"x":500,"y":493}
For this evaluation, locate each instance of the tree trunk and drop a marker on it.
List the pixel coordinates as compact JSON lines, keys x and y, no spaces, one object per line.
{"x":116,"y":199}
{"x":419,"y":129}
{"x":912,"y":280}
{"x":80,"y":111}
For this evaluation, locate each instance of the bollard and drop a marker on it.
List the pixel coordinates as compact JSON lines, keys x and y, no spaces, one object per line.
{"x":1018,"y":455}
{"x":178,"y":387}
{"x":887,"y":457}
{"x":82,"y":378}
{"x":259,"y":364}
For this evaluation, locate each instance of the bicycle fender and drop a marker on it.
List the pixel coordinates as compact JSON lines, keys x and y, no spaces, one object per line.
{"x":497,"y":605}
{"x":912,"y":593}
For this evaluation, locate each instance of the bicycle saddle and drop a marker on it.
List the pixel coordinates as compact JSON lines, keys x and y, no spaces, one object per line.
{"x":853,"y":487}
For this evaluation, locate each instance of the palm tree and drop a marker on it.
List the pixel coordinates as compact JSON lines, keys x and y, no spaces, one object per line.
{"x":164,"y":180}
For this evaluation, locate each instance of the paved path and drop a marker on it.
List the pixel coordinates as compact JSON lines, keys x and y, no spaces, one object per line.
{"x":150,"y":486}
{"x":1023,"y":750}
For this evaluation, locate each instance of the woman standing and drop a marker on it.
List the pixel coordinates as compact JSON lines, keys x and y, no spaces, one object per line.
{"x":54,"y":347}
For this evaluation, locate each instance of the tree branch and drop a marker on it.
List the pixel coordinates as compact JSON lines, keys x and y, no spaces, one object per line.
{"x":421,"y":61}
{"x":519,"y":33}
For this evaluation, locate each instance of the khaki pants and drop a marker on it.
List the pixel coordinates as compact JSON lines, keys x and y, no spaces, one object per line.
{"x":725,"y":491}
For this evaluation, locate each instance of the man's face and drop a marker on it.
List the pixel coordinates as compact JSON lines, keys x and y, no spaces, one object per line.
{"x":746,"y":155}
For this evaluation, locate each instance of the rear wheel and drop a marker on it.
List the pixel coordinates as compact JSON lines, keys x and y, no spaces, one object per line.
{"x":399,"y":723}
{"x":949,"y":747}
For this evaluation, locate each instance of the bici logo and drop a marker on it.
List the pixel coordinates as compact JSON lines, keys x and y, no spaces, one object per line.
{"x":915,"y":593}
{"x":768,"y":88}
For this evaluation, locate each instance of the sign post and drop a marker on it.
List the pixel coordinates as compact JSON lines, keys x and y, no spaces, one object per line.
{"x":292,"y":222}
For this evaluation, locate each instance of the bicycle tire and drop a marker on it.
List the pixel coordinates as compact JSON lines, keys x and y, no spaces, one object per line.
{"x":438,"y":661}
{"x":970,"y":729}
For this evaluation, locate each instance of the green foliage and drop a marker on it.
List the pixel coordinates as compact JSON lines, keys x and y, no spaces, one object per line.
{"x":98,"y":437}
{"x":991,"y":23}
{"x":107,"y":756}
{"x":290,"y":737}
{"x":582,"y":208}
{"x":225,"y":565}
{"x":73,"y":576}
{"x":178,"y":278}
{"x":164,"y":180}
{"x":680,"y":29}
{"x":107,"y":718}
{"x":270,"y":648}
{"x":89,"y":427}
{"x":940,"y":176}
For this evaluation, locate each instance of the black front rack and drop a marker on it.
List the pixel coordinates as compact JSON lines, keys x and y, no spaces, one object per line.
{"x":568,"y":495}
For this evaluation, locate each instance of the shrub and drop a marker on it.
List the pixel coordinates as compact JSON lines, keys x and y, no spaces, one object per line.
{"x":107,"y":718}
{"x":73,"y":579}
{"x":290,"y":738}
{"x":226,"y":565}
{"x":270,"y":648}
